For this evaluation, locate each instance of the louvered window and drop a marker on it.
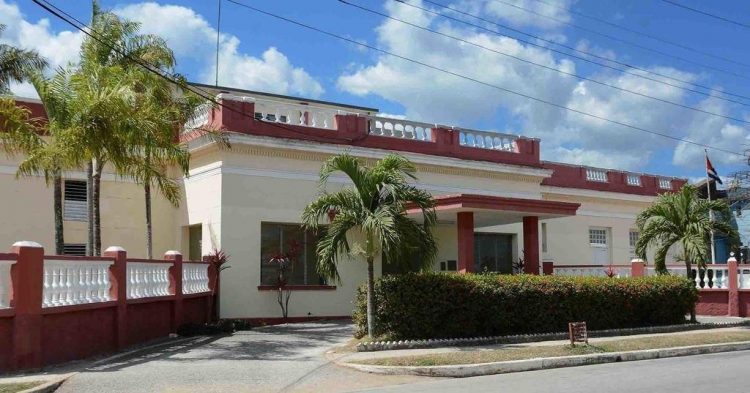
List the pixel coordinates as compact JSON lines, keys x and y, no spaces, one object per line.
{"x":75,"y":249}
{"x":74,"y":205}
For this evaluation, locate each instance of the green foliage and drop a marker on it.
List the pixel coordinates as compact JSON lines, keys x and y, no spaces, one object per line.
{"x":439,"y":305}
{"x":682,"y":218}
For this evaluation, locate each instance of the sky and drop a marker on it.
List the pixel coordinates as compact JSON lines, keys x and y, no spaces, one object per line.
{"x":544,"y":49}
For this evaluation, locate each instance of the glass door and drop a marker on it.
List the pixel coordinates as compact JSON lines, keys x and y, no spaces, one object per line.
{"x":493,"y":252}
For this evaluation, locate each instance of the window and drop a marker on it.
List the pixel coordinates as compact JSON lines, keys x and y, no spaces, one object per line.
{"x":544,"y":237}
{"x":195,"y":239}
{"x":633,"y":237}
{"x":448,"y":266}
{"x":75,"y":249}
{"x":291,"y":241}
{"x":665,"y":184}
{"x":634,"y":180}
{"x":596,"y":175}
{"x":598,"y":236}
{"x":633,"y":240}
{"x":74,"y":205}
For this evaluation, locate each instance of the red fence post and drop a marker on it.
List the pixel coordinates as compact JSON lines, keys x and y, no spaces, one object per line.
{"x":734,"y":294}
{"x":118,"y":291}
{"x":175,"y":274}
{"x":637,"y":267}
{"x":27,"y":276}
{"x":548,"y":268}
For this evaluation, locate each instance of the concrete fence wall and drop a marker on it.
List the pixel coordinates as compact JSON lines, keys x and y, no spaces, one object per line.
{"x":55,"y":309}
{"x":724,"y":289}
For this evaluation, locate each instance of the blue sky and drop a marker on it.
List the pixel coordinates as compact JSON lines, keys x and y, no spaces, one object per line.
{"x":262,"y":53}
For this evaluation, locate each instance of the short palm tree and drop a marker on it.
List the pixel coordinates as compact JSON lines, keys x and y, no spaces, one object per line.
{"x":369,"y":218}
{"x":682,"y":218}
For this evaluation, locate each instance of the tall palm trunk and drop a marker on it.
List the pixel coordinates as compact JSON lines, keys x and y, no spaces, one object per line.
{"x":90,"y":208}
{"x":370,"y":296}
{"x":688,"y":269}
{"x":97,"y":192}
{"x":58,"y":208}
{"x":149,"y":233}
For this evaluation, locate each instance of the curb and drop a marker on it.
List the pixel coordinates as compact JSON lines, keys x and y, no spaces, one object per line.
{"x":473,"y":370}
{"x":535,"y":337}
{"x":47,"y":387}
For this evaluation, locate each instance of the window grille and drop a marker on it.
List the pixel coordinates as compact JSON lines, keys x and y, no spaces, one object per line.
{"x":75,"y":249}
{"x":596,"y":175}
{"x":634,"y":180}
{"x":598,"y":237}
{"x":665,"y":184}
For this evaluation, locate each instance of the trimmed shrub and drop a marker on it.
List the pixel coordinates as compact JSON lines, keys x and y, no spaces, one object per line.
{"x":439,"y":305}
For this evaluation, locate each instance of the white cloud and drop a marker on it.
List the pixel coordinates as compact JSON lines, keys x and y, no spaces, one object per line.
{"x":433,"y":96}
{"x":522,"y":13}
{"x":58,"y":48}
{"x":192,"y":37}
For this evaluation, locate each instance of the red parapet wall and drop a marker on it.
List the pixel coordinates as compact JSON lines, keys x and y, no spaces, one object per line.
{"x":34,"y":332}
{"x":713,"y":302}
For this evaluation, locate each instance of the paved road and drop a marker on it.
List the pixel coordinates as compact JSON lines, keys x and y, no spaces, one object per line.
{"x":286,"y":358}
{"x":725,"y":372}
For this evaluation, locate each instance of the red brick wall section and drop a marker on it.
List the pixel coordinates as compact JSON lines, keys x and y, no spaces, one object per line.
{"x":78,"y":334}
{"x":32,"y":337}
{"x":6,"y":342}
{"x":744,"y":308}
{"x":713,"y":302}
{"x":149,"y":321}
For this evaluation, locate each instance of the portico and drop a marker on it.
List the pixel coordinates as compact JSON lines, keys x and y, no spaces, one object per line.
{"x":471,"y":211}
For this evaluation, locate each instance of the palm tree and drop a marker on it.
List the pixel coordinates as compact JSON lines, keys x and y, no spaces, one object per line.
{"x":107,"y":81}
{"x":48,"y":156}
{"x":373,"y":212}
{"x":15,"y":64}
{"x":682,"y":218}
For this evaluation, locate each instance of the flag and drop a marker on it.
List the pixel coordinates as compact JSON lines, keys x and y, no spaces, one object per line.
{"x":711,"y":172}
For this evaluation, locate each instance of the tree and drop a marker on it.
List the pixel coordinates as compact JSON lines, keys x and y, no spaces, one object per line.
{"x":369,"y":219}
{"x":106,"y":88}
{"x":16,"y":64}
{"x":682,"y":218}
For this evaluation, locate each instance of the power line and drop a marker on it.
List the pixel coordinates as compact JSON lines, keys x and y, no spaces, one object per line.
{"x":725,"y":19}
{"x":642,"y":33}
{"x":527,"y":42}
{"x":480,"y":46}
{"x":426,"y":65}
{"x":624,"y":41}
{"x":82,"y":27}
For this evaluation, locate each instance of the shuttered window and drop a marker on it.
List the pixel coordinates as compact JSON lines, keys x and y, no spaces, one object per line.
{"x":75,"y":249}
{"x":74,"y":204}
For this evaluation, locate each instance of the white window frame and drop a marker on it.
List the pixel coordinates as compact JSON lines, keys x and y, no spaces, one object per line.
{"x":598,"y":233}
{"x":597,"y":175}
{"x":633,"y":236}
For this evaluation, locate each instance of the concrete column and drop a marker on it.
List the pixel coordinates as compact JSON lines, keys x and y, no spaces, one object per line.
{"x":118,"y":291}
{"x":531,"y":244}
{"x":548,"y":268}
{"x":465,"y":226}
{"x":637,"y":267}
{"x":27,"y":276}
{"x":734,"y":293}
{"x":175,"y":286}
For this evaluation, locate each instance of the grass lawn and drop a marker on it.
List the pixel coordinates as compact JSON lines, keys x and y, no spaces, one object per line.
{"x":17,"y":387}
{"x":518,"y":352}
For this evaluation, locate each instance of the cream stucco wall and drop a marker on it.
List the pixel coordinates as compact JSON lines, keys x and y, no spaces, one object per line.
{"x":27,"y":213}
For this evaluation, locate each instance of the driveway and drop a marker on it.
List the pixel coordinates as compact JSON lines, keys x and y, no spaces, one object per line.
{"x":270,"y":359}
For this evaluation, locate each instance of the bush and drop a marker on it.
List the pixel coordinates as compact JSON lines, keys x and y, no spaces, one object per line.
{"x":437,"y":305}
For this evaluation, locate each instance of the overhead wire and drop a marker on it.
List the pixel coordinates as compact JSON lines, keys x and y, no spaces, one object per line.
{"x":554,"y":69}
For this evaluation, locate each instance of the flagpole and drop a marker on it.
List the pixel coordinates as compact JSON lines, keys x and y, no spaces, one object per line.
{"x":710,"y":212}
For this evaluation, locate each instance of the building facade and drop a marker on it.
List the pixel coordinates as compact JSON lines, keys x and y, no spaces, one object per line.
{"x":497,"y":202}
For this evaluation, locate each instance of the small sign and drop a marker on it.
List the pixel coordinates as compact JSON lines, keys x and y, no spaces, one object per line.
{"x":578,"y":333}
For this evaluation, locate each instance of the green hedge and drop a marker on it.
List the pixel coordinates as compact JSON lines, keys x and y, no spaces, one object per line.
{"x":438,"y":305}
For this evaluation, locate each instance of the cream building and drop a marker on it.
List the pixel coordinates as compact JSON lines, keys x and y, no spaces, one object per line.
{"x":497,"y":202}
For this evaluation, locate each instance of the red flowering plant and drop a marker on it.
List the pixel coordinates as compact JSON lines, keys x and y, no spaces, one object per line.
{"x":284,"y":262}
{"x":610,"y":271}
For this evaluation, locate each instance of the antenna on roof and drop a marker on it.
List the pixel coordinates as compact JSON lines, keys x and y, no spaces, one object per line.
{"x":218,"y":35}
